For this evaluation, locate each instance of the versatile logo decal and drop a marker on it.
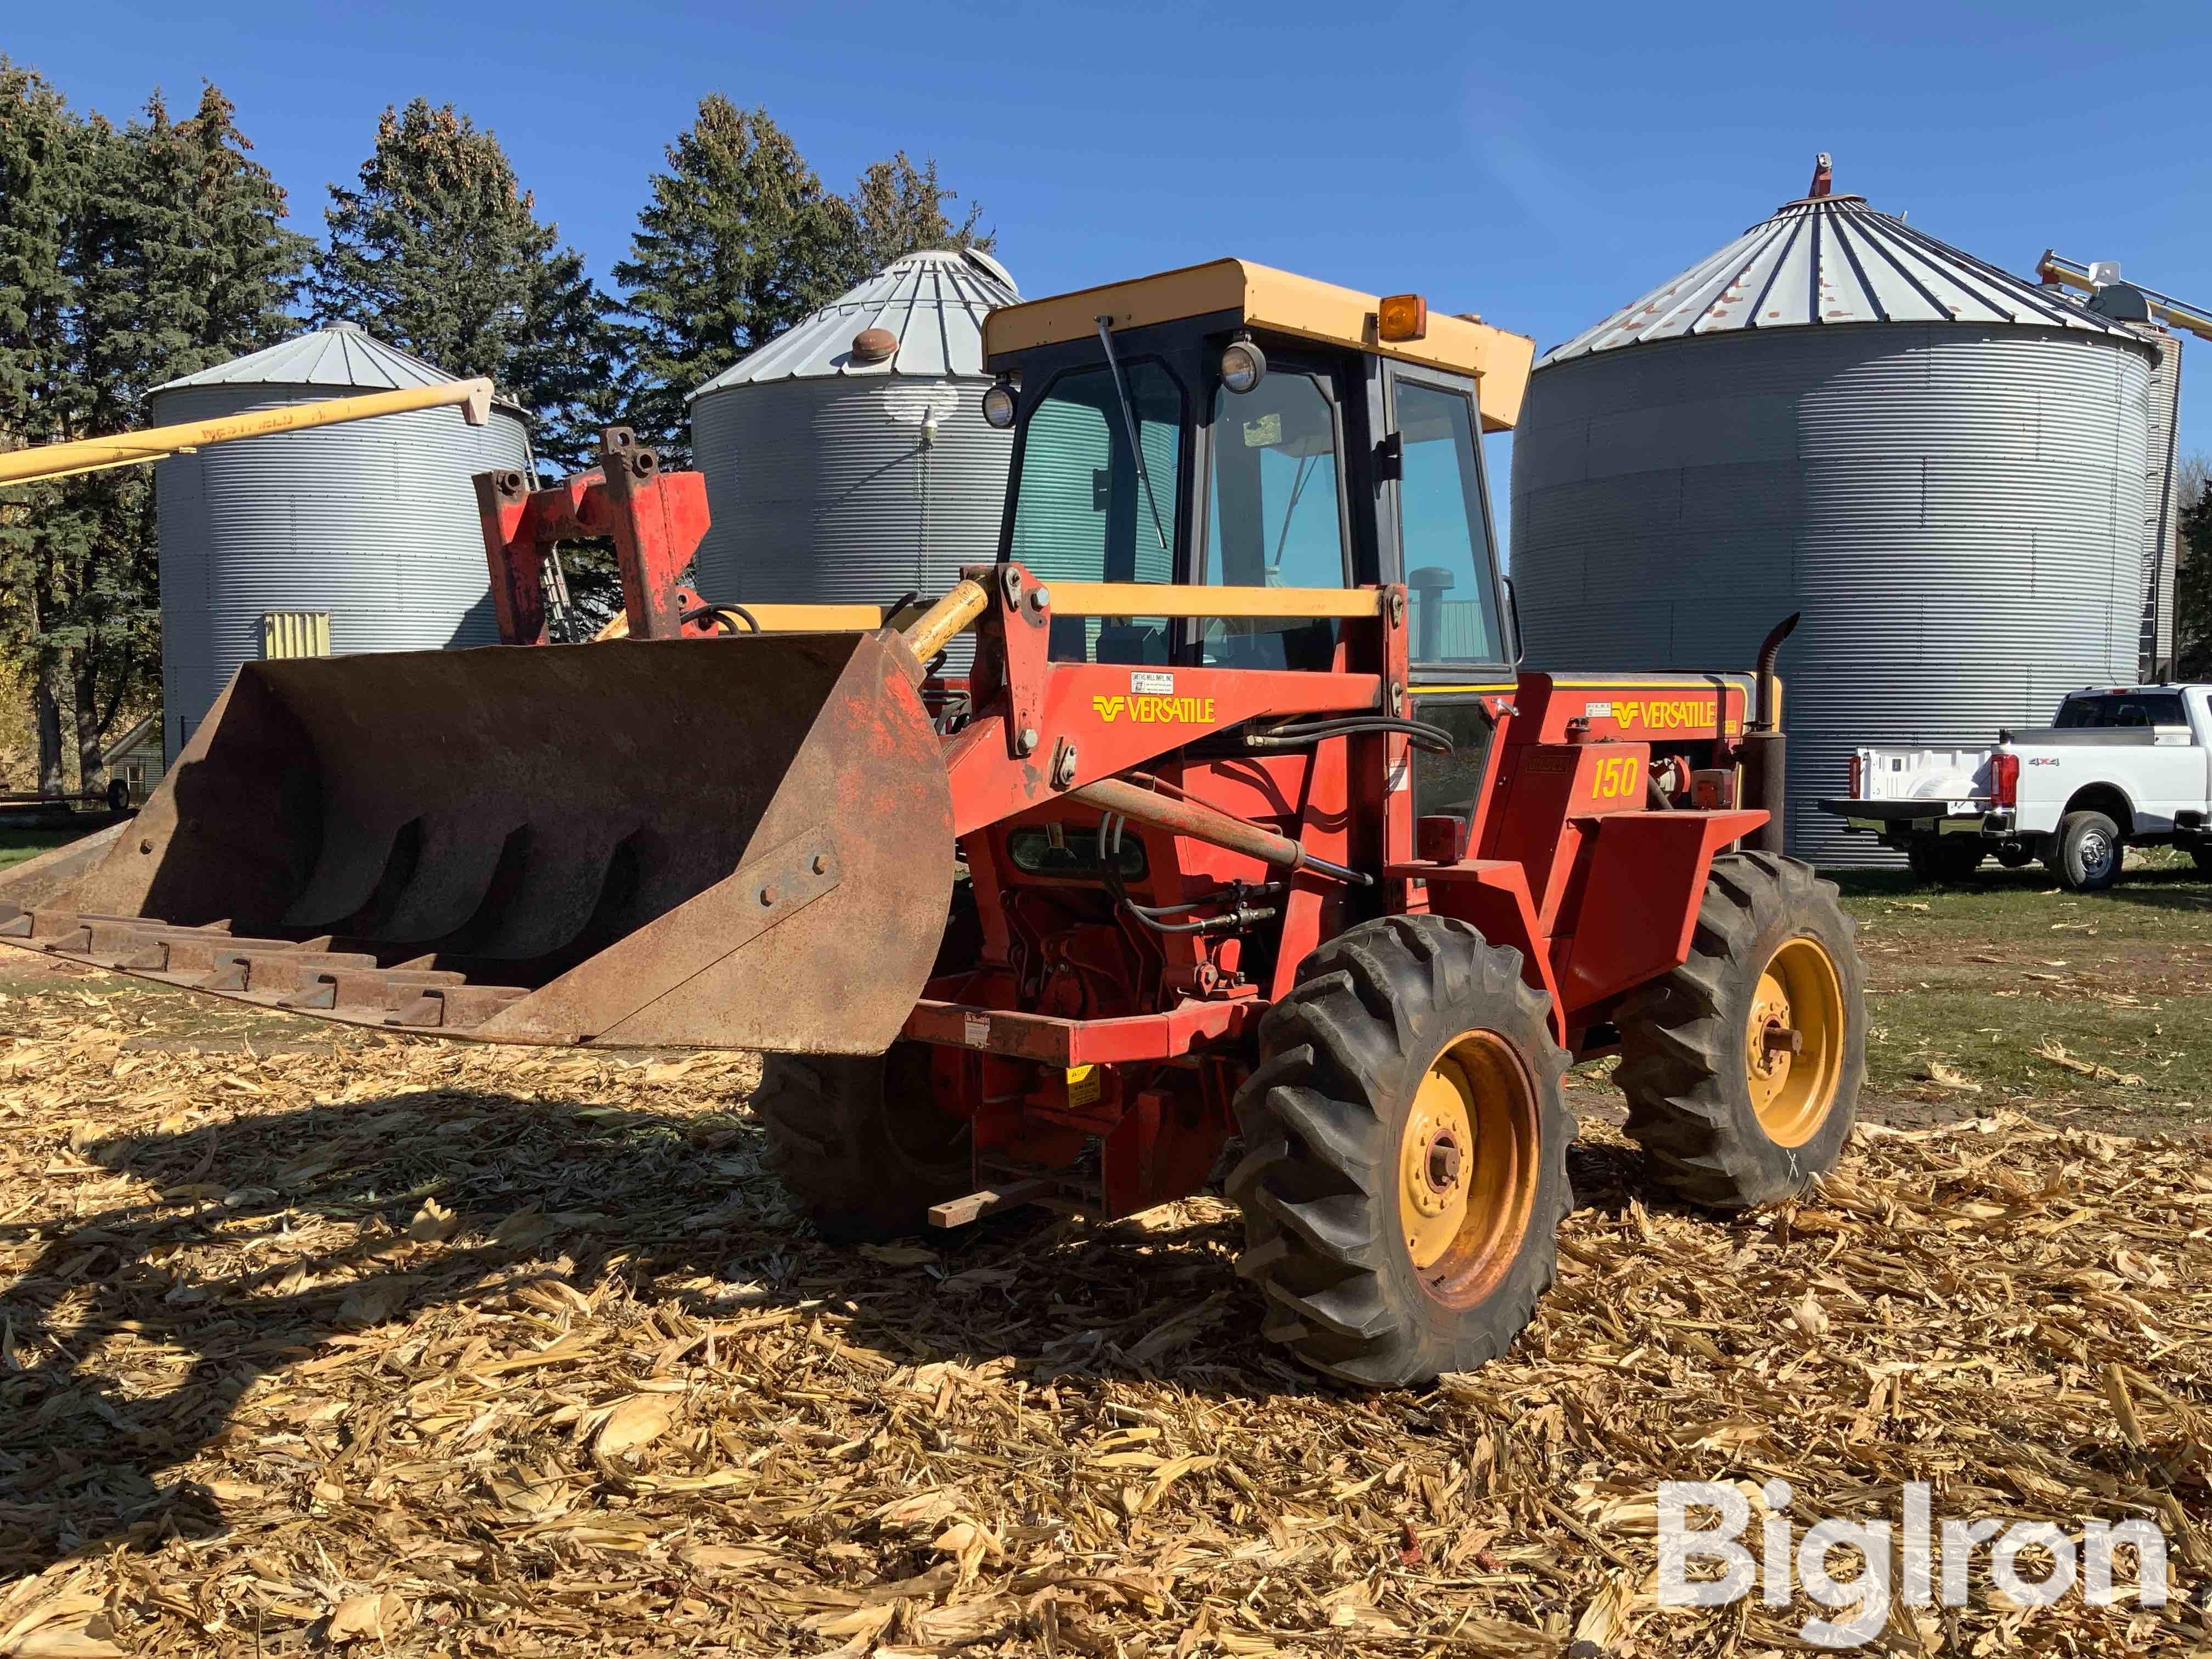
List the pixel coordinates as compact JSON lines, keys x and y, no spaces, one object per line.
{"x":1155,"y":711}
{"x":1666,"y":716}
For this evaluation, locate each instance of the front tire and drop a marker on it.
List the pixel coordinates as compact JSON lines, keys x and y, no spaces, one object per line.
{"x":2086,"y":853}
{"x":1742,"y":1067}
{"x":1407,"y":1166}
{"x":859,"y":1142}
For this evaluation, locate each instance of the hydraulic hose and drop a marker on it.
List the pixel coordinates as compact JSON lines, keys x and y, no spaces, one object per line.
{"x":1203,"y":822}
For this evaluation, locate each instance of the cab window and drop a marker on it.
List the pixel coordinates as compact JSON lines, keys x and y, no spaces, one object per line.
{"x":1443,"y":530}
{"x":1082,"y":512}
{"x":1274,"y":518}
{"x":2123,"y":710}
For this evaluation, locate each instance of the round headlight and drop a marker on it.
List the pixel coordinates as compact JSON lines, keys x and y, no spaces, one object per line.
{"x":1242,"y":365}
{"x":998,"y":406}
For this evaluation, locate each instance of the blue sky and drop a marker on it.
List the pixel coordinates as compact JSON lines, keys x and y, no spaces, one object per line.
{"x":1538,"y":164}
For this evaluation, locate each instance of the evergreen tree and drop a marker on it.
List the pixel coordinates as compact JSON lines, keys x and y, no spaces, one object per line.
{"x":2192,"y":608}
{"x":41,"y":147}
{"x":181,"y":260}
{"x":440,"y":251}
{"x":901,"y":210}
{"x":740,"y":241}
{"x":126,"y":258}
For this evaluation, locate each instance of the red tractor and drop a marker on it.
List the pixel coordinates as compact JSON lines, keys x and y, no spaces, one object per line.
{"x":1242,"y":829}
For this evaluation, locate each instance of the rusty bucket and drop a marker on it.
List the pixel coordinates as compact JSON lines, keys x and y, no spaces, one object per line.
{"x":741,"y":843}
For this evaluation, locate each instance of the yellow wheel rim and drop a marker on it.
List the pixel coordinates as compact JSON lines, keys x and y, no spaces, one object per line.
{"x":1469,"y":1166}
{"x":1793,"y":1041}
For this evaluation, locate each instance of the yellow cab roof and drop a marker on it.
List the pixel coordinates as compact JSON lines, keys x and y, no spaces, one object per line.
{"x":1281,"y":303}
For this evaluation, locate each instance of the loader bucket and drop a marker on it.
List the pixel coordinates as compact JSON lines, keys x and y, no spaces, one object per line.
{"x":742,"y":843}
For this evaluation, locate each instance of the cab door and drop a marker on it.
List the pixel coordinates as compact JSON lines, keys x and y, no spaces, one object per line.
{"x":1460,"y":640}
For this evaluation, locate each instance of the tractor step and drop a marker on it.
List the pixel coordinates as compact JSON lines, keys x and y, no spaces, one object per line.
{"x":303,"y":974}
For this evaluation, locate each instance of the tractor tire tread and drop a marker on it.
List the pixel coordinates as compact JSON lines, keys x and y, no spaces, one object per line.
{"x":1681,"y":1037}
{"x":826,"y":1121}
{"x":1318,"y":1177}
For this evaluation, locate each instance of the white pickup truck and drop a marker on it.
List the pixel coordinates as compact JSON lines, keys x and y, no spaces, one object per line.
{"x":2126,"y":767}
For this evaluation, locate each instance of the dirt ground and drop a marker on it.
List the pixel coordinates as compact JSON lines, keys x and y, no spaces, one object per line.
{"x":314,"y":1342}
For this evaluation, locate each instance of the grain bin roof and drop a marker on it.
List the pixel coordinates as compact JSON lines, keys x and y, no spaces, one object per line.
{"x":341,"y":355}
{"x":933,"y":303}
{"x":1831,"y":259}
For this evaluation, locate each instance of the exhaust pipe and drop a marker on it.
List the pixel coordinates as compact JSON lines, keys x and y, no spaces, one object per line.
{"x":1766,"y":748}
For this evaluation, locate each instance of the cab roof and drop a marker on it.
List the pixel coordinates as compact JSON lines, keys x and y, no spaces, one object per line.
{"x":1279,"y":303}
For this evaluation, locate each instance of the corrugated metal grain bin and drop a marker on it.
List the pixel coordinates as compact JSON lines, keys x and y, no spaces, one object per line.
{"x":848,"y":458}
{"x":346,"y":538}
{"x":1942,"y":466}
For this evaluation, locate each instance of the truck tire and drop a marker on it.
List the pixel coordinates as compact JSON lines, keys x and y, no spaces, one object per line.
{"x":1944,"y":858}
{"x":1729,"y":1114}
{"x":857,"y":1141}
{"x":2085,"y":854}
{"x":2202,"y":852}
{"x":1406,"y":1171}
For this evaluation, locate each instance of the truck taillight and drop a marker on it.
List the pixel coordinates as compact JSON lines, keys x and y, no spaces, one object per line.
{"x":1858,"y":775}
{"x":2004,"y":780}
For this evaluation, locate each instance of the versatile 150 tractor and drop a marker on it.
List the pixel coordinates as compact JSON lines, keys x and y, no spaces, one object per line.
{"x":1243,"y":824}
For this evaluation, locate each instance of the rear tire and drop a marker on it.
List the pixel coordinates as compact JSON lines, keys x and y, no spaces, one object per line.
{"x":859,"y":1142}
{"x":1405,"y":1173}
{"x":1944,"y":858}
{"x":2086,"y":852}
{"x":1728,"y":1120}
{"x":2203,"y":854}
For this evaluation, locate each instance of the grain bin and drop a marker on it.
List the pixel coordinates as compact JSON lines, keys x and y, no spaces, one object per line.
{"x":848,"y":459}
{"x":1942,"y":466}
{"x":342,"y":539}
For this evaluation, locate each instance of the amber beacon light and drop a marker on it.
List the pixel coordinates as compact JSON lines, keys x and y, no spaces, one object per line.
{"x":1401,"y":317}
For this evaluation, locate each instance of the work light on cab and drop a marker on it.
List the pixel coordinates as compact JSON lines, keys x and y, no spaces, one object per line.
{"x":1244,"y":365}
{"x":998,"y":405}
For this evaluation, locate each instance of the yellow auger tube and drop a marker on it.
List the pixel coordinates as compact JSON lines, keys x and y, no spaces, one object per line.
{"x":134,"y":449}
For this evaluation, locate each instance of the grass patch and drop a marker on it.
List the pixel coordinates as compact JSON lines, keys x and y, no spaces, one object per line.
{"x":19,"y":844}
{"x":1967,"y":981}
{"x":2172,"y":904}
{"x":1990,"y":1035}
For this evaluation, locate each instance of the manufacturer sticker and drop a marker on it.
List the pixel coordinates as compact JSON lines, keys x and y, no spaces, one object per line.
{"x":1600,"y":711}
{"x":1152,"y":685}
{"x":978,"y":1034}
{"x":1083,"y":1085}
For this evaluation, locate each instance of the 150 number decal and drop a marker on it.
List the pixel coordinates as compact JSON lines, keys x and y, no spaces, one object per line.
{"x":1618,"y":775}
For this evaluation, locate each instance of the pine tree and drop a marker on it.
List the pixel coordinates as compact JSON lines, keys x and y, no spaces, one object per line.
{"x":740,"y":241}
{"x":181,"y":260}
{"x":901,"y":210}
{"x":2192,"y":619}
{"x":439,"y":251}
{"x":41,"y":145}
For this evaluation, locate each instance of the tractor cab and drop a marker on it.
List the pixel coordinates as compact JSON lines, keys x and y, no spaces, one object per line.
{"x":1231,"y":426}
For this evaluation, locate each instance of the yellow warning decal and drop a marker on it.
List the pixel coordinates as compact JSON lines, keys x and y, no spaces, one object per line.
{"x":1155,"y":711}
{"x":1083,"y":1084}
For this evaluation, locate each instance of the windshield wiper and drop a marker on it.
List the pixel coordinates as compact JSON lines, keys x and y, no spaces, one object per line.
{"x":1129,"y":420}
